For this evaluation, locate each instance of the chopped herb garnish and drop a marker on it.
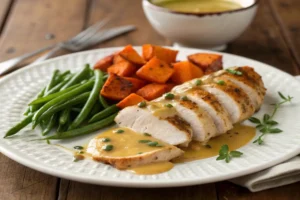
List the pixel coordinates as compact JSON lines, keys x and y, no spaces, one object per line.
{"x":81,"y":152}
{"x":78,"y":147}
{"x":184,"y":98}
{"x":220,"y":82}
{"x":139,"y":152}
{"x":169,"y":105}
{"x":119,"y":131}
{"x":169,"y":96}
{"x":147,"y":134}
{"x":224,"y":154}
{"x":144,"y":141}
{"x":142,"y":104}
{"x":105,"y":140}
{"x":198,"y":82}
{"x":207,"y":146}
{"x":108,"y":147}
{"x":266,"y":125}
{"x":159,"y":145}
{"x":152,"y":144}
{"x":77,"y":157}
{"x":235,"y":72}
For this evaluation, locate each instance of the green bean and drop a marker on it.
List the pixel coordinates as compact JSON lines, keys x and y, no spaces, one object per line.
{"x":61,"y":99}
{"x":76,"y":110}
{"x":34,"y":108}
{"x":90,"y":102}
{"x":53,"y":80}
{"x":64,"y":116}
{"x":52,"y":96}
{"x":50,"y":124}
{"x":96,"y":108}
{"x":63,"y":75}
{"x":58,"y":87}
{"x":19,"y":126}
{"x":103,"y":101}
{"x":78,"y":77}
{"x":104,"y":113}
{"x":83,"y":130}
{"x":56,"y":108}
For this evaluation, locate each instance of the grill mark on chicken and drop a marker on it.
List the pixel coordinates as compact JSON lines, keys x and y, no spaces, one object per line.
{"x":179,"y":123}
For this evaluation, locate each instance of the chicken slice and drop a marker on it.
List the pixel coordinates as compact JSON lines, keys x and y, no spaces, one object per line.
{"x":253,"y":87}
{"x":201,"y":122}
{"x":128,"y":151}
{"x":232,"y":98}
{"x":213,"y":107}
{"x":170,"y":129}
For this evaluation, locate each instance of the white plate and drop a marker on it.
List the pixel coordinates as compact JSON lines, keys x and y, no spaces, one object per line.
{"x":17,"y":89}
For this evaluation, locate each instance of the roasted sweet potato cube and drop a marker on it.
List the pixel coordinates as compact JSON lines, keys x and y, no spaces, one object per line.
{"x":116,"y":87}
{"x":128,"y":53}
{"x":137,"y":83}
{"x":207,"y":61}
{"x":152,"y":91}
{"x":118,"y":58}
{"x":185,"y":71}
{"x":130,"y":100}
{"x":156,"y":71}
{"x":165,"y":54}
{"x":104,"y":63}
{"x":124,"y":68}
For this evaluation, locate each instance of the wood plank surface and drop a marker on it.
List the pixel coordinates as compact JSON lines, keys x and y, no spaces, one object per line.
{"x":263,"y":41}
{"x":4,"y":10}
{"x":287,"y":15}
{"x":25,"y":31}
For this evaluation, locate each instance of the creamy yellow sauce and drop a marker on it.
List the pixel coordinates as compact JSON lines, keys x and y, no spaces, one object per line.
{"x":237,"y":137}
{"x":127,"y":143}
{"x":160,"y":109}
{"x":198,"y":6}
{"x":152,"y":168}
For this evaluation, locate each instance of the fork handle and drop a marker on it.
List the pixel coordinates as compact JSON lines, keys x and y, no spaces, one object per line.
{"x":48,"y":55}
{"x":11,"y":64}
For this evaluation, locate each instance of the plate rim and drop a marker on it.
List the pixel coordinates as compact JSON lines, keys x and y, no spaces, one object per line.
{"x":134,"y":183}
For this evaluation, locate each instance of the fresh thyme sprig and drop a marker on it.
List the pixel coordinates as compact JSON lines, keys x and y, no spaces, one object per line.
{"x":225,"y":154}
{"x":266,"y":125}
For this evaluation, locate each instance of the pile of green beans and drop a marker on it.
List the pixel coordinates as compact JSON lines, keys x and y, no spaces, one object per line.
{"x":70,"y":105}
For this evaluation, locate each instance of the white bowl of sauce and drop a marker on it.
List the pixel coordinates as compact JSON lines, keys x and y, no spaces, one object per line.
{"x":207,"y":24}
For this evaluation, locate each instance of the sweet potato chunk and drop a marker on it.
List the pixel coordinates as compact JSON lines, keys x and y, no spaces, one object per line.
{"x":152,"y":91}
{"x":116,"y":87}
{"x":118,"y":58}
{"x":124,"y":68}
{"x":130,"y":100}
{"x":156,"y":71}
{"x":207,"y":61}
{"x":137,"y":83}
{"x":167,"y":55}
{"x":128,"y":53}
{"x":185,"y":71}
{"x":104,"y":63}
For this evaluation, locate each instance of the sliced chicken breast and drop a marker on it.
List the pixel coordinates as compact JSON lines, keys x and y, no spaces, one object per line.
{"x":171,"y":129}
{"x":232,"y":98}
{"x":212,"y":106}
{"x":165,"y":153}
{"x":201,"y":122}
{"x":253,"y":88}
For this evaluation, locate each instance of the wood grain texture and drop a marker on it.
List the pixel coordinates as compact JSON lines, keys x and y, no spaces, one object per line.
{"x":263,"y":41}
{"x":286,"y":14}
{"x":63,"y":19}
{"x":80,"y":191}
{"x":229,"y":191}
{"x":4,"y":10}
{"x":60,"y":18}
{"x":125,"y":13}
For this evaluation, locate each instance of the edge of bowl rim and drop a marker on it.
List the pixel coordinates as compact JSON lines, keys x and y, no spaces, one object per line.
{"x":162,"y":9}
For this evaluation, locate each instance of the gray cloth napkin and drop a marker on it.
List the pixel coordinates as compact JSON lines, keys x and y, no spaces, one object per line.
{"x":282,"y":174}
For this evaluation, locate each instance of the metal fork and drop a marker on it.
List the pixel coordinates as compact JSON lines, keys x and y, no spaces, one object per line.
{"x":11,"y":64}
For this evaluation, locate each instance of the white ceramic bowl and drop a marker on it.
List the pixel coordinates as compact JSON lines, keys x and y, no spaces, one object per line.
{"x":202,"y":30}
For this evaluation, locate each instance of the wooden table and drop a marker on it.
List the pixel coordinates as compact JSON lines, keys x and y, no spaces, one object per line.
{"x":273,"y":38}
